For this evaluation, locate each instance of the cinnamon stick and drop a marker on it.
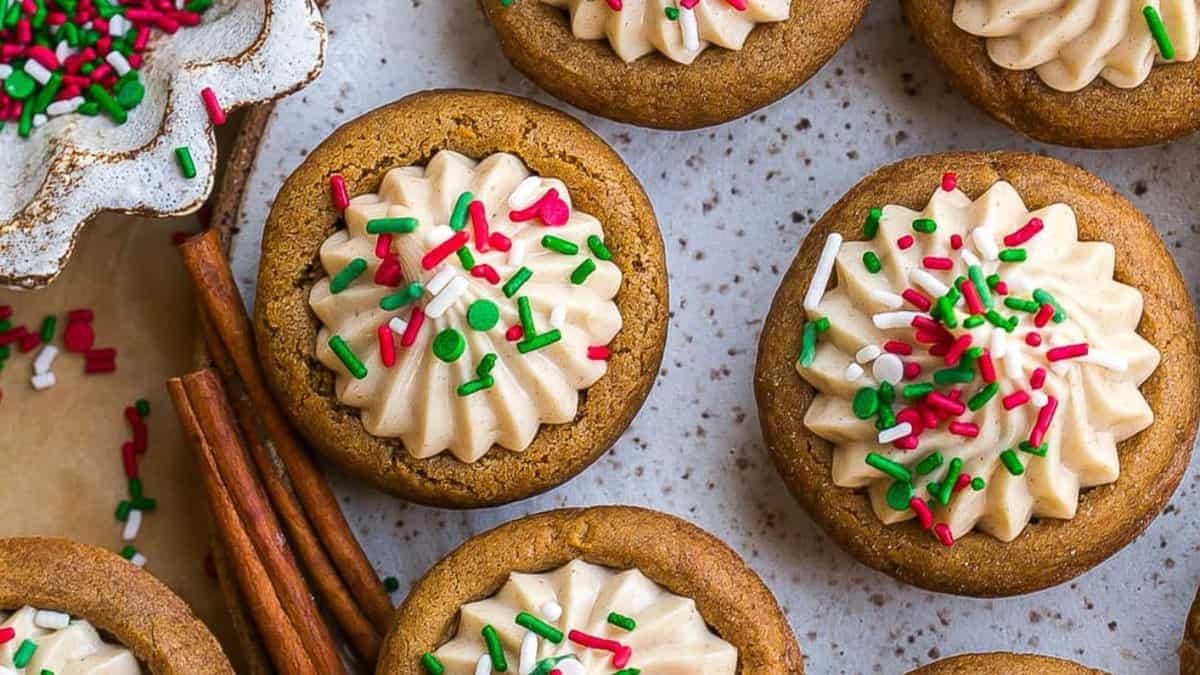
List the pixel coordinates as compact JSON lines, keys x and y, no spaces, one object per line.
{"x":349,"y":616}
{"x":220,"y":300}
{"x":280,"y":638}
{"x":212,"y":411}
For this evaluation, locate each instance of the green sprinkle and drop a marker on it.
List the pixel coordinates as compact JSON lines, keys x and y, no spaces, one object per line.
{"x":1044,"y":297}
{"x":544,"y":340}
{"x":978,"y":484}
{"x":540,"y":628}
{"x":123,"y":509}
{"x":25,"y":123}
{"x":483,"y":315}
{"x":546,"y":665}
{"x":494,"y":649}
{"x":925,"y":225}
{"x":1159,"y":31}
{"x":525,"y":312}
{"x":449,"y":345}
{"x":984,"y":395}
{"x":871,"y":227}
{"x":871,"y":262}
{"x":973,"y":321}
{"x":621,"y":621}
{"x":972,"y":355}
{"x":887,"y":393}
{"x":135,"y":488}
{"x":947,"y":484}
{"x":1026,"y":446}
{"x":186,"y":165}
{"x":596,"y":244}
{"x":1012,"y":255}
{"x":19,"y":84}
{"x":198,"y":6}
{"x":866,"y":403}
{"x":949,"y":376}
{"x":145,"y":504}
{"x":130,"y":95}
{"x":1021,"y":304}
{"x":931,"y":462}
{"x":1012,"y":462}
{"x":822,"y":324}
{"x":465,"y":258}
{"x":919,"y":390}
{"x":342,"y":280}
{"x":24,"y":653}
{"x":559,"y":245}
{"x":899,"y":494}
{"x":89,"y":109}
{"x":975,"y":272}
{"x":887,"y":466}
{"x":128,"y":552}
{"x":348,"y":357}
{"x":391,"y":584}
{"x":671,"y":12}
{"x":628,"y":671}
{"x":998,"y":320}
{"x":886,"y":420}
{"x":946,"y":311}
{"x":582,"y":272}
{"x":392,"y":225}
{"x":992,"y":280}
{"x":486,"y":364}
{"x":45,"y":96}
{"x":458,"y":218}
{"x":808,"y":344}
{"x":429,"y":661}
{"x":516,"y":281}
{"x":143,"y":407}
{"x":48,"y":325}
{"x":401,"y":298}
{"x":468,"y":388}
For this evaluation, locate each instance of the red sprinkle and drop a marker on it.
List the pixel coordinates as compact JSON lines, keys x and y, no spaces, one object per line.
{"x":479,"y":224}
{"x":956,"y":241}
{"x":438,"y":253}
{"x":949,"y":181}
{"x":905,"y":242}
{"x":598,"y":352}
{"x":963,"y":481}
{"x":987,"y":368}
{"x":387,"y":346}
{"x":383,"y":245}
{"x":971,"y":295}
{"x":7,"y":634}
{"x":615,"y":4}
{"x":924,"y":515}
{"x":956,"y":351}
{"x":942,"y":402}
{"x":621,"y":653}
{"x":1044,"y":313}
{"x":6,"y":312}
{"x":337,"y":186}
{"x":968,"y":429}
{"x":1024,"y":234}
{"x":916,"y":299}
{"x":499,"y":242}
{"x":1015,"y":400}
{"x":129,"y":460}
{"x":28,"y":342}
{"x":912,"y":370}
{"x":934,"y":262}
{"x":486,"y":271}
{"x":515,"y":332}
{"x":1067,"y":352}
{"x":1033,"y":339}
{"x":909,"y":442}
{"x":84,"y":315}
{"x":389,"y":272}
{"x":1001,"y":288}
{"x":897,"y":347}
{"x":98,"y":367}
{"x":415,"y":319}
{"x":1044,"y":418}
{"x":1037,"y":378}
{"x":215,"y":112}
{"x":942,"y":531}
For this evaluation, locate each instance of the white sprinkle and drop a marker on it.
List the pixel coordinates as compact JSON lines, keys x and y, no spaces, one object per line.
{"x":551,"y":611}
{"x":999,"y":344}
{"x":180,"y":4}
{"x":868,"y":354}
{"x":63,"y":50}
{"x":39,"y":119}
{"x":820,"y":278}
{"x":1106,"y":359}
{"x":1039,"y":398}
{"x":558,"y":316}
{"x":529,"y":649}
{"x":1017,"y":283}
{"x":64,"y":107}
{"x":968,"y":257}
{"x":439,"y":280}
{"x":853,"y":372}
{"x":398,"y":325}
{"x":436,"y":235}
{"x":888,"y":368}
{"x":51,"y":620}
{"x":117,"y":61}
{"x":5,"y":670}
{"x":985,"y":241}
{"x":138,"y":559}
{"x":526,"y":193}
{"x":133,"y":525}
{"x":895,"y":433}
{"x":516,"y":254}
{"x":927,"y":281}
{"x":45,"y":359}
{"x":43,"y":381}
{"x":1013,"y":363}
{"x":443,"y":300}
{"x":886,"y":298}
{"x":5,"y":71}
{"x":888,"y":320}
{"x":37,"y":71}
{"x":689,"y":29}
{"x":571,"y":667}
{"x":118,"y":26}
{"x":1061,"y":367}
{"x":484,"y":665}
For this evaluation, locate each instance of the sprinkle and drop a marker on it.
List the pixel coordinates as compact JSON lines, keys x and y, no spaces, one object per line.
{"x":458,"y":217}
{"x":924,"y":225}
{"x":1159,"y":31}
{"x":596,"y":244}
{"x":924,"y":515}
{"x":949,"y":181}
{"x":956,"y":242}
{"x":495,"y":650}
{"x":865,"y":403}
{"x":466,"y":258}
{"x":871,"y":262}
{"x":928,"y":282}
{"x":911,"y":391}
{"x":930,"y":463}
{"x":937,"y":262}
{"x":24,"y":653}
{"x":871,"y":226}
{"x":820,"y":278}
{"x":443,"y":250}
{"x":621,"y":621}
{"x":987,"y":368}
{"x":474,"y":386}
{"x":985,"y":242}
{"x":598,"y":353}
{"x":886,"y":298}
{"x":558,"y":316}
{"x":347,"y":356}
{"x":897,"y":347}
{"x":867,"y":354}
{"x":944,"y":403}
{"x":392,"y":225}
{"x":808,"y":344}
{"x":45,"y":359}
{"x":1067,"y":352}
{"x":1022,"y":305}
{"x":539,"y":341}
{"x":895,"y":433}
{"x":1012,"y":255}
{"x":1015,"y":400}
{"x":968,"y":429}
{"x":51,"y":620}
{"x":133,"y":525}
{"x":997,"y":319}
{"x":184,"y":156}
{"x":395,"y":301}
{"x":347,"y":274}
{"x":1045,"y":298}
{"x":525,"y":195}
{"x":1038,"y":378}
{"x":216,"y":114}
{"x":888,"y":368}
{"x":942,"y":531}
{"x":527,"y":659}
{"x":1039,"y":451}
{"x":975,"y":272}
{"x":583,"y":271}
{"x":889,"y":467}
{"x":43,"y":381}
{"x":1044,"y":418}
{"x":539,"y":627}
{"x":517,"y":280}
{"x":1025,"y":233}
{"x":337,"y":189}
{"x":916,"y":299}
{"x":957,"y":349}
{"x":948,"y":482}
{"x":984,"y":395}
{"x":387,"y":345}
{"x":1012,"y":462}
{"x":484,"y":665}
{"x":971,"y":295}
{"x":689,"y":29}
{"x":621,"y":654}
{"x":551,"y":610}
{"x":889,"y":320}
{"x":905,"y":242}
{"x":853,"y":372}
{"x":1114,"y":362}
{"x":945,"y":310}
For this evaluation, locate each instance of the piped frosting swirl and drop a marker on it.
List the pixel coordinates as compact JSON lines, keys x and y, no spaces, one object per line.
{"x":40,"y":641}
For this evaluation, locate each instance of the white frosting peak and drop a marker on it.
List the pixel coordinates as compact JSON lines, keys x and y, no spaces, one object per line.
{"x":75,"y":649}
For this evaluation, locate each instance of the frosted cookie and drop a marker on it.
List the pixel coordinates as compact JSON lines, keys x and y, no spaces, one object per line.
{"x":1004,"y":662}
{"x":457,"y":332}
{"x":984,"y":381}
{"x":1091,"y":74}
{"x":591,"y":591}
{"x":671,"y":64}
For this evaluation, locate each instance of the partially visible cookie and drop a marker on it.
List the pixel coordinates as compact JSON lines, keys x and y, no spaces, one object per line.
{"x":653,"y":71}
{"x":1004,"y":662}
{"x":1189,"y":651}
{"x":1069,"y":99}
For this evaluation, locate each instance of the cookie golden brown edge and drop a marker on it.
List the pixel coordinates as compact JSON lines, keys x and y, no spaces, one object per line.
{"x":673,"y":553}
{"x":116,"y":596}
{"x":1004,"y":662}
{"x":1101,"y":115}
{"x":1049,"y":551}
{"x":408,"y":132}
{"x":721,"y":85}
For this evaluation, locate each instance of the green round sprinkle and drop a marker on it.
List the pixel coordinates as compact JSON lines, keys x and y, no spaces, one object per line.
{"x":540,"y":628}
{"x":899,"y":494}
{"x":887,"y":466}
{"x":494,"y":648}
{"x":431,"y":663}
{"x":978,"y":484}
{"x":391,"y":584}
{"x":931,"y":462}
{"x":871,"y":262}
{"x":559,"y":245}
{"x":131,"y":94}
{"x":483,"y":315}
{"x":391,"y":225}
{"x":887,"y":393}
{"x":1012,"y":462}
{"x":449,"y":345}
{"x":581,"y":273}
{"x":596,"y":244}
{"x":1012,"y":255}
{"x":871,"y":227}
{"x":19,"y":85}
{"x":672,"y":13}
{"x":621,"y":621}
{"x":925,"y":225}
{"x":143,"y":407}
{"x":347,"y":357}
{"x":342,"y":280}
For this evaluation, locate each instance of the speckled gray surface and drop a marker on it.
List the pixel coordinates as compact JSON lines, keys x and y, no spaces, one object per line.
{"x":734,"y":202}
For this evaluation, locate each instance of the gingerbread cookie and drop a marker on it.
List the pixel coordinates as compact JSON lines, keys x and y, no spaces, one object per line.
{"x":1004,"y":662}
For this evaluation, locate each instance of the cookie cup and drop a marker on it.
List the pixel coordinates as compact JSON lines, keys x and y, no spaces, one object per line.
{"x":1004,"y":662}
{"x":1048,"y":551}
{"x":114,"y":595}
{"x":409,"y":132}
{"x":653,"y":91}
{"x":671,"y":552}
{"x":1100,"y":115}
{"x":1189,"y":651}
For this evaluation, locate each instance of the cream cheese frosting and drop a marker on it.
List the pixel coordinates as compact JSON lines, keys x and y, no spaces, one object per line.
{"x":1072,"y":42}
{"x":41,"y":641}
{"x":630,"y":622}
{"x":485,"y":309}
{"x":678,"y":29}
{"x":1005,"y":410}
